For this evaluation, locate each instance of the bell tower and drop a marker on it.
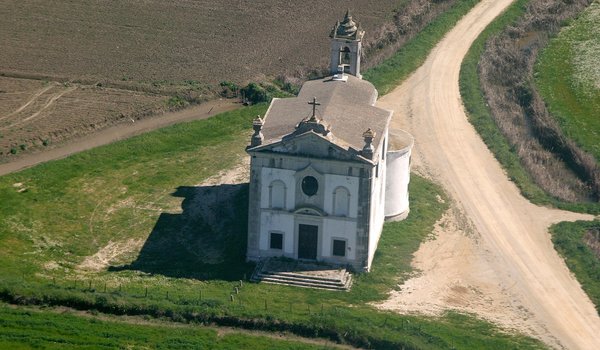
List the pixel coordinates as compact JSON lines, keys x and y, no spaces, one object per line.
{"x":346,"y":38}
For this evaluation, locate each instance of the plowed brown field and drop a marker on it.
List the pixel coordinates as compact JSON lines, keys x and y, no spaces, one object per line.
{"x":71,"y":68}
{"x":154,"y":40}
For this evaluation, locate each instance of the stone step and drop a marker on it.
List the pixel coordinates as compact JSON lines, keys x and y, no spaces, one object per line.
{"x":303,"y":284}
{"x":306,"y":276}
{"x":302,"y":279}
{"x":302,"y":275}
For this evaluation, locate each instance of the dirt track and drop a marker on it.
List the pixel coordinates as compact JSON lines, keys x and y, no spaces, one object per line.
{"x":119,"y":132}
{"x":493,"y":255}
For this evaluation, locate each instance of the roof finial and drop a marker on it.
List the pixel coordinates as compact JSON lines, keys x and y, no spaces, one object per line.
{"x":368,"y":150}
{"x":258,"y":137}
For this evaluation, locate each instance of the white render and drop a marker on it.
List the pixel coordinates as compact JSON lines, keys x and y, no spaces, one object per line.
{"x":324,"y":173}
{"x":398,"y":164}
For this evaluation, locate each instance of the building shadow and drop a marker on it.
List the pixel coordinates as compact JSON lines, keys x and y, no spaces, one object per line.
{"x":206,"y":241}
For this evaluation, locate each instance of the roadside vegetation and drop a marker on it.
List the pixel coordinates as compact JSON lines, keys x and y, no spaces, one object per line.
{"x":576,"y":242}
{"x":512,"y":152}
{"x":389,"y":73}
{"x":579,"y":244}
{"x":567,"y":75}
{"x":139,"y":203}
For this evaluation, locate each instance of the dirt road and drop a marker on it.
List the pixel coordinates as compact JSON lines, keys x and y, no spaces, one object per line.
{"x":493,"y":255}
{"x":120,"y":132}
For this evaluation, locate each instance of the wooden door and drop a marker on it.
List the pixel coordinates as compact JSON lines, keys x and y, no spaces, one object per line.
{"x":307,"y":241}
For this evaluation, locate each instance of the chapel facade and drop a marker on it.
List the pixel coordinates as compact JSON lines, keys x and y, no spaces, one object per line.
{"x":325,"y":171}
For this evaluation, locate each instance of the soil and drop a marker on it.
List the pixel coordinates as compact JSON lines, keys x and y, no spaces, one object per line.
{"x":109,"y":255}
{"x":72,"y":69}
{"x":155,"y":41}
{"x":36,"y":114}
{"x":493,"y":255}
{"x":117,"y":132}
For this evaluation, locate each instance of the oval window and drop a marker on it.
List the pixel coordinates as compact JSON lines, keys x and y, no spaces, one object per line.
{"x":310,"y":186}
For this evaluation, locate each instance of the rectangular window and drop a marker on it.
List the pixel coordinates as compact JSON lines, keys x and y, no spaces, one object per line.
{"x":276,"y":240}
{"x":339,"y":247}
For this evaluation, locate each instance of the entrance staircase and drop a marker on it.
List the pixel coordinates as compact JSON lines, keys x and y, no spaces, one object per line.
{"x":302,"y":274}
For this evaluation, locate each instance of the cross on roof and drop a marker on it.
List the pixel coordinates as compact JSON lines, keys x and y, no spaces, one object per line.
{"x":314,"y":104}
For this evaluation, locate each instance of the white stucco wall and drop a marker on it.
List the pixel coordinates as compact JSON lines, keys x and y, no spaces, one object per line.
{"x":350,"y":183}
{"x":342,"y":229}
{"x":277,"y":221}
{"x":398,"y":174}
{"x":377,"y":211}
{"x":268,"y":175}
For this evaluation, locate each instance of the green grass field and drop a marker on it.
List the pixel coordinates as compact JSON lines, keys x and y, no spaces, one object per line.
{"x":568,"y":238}
{"x":479,"y":115}
{"x":567,"y":75}
{"x":137,"y":204}
{"x":57,"y":215}
{"x":36,"y":329}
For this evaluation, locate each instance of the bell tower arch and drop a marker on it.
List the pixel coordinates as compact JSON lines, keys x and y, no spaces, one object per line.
{"x":346,"y":46}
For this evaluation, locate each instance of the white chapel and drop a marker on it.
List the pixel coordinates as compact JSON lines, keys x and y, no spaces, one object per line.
{"x":325,"y":169}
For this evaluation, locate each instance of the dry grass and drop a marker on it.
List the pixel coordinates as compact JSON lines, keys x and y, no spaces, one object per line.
{"x":506,"y":69}
{"x":592,"y":239}
{"x":407,"y":22}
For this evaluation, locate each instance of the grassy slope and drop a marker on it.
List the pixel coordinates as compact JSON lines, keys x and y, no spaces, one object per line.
{"x":71,"y":208}
{"x":479,"y":115}
{"x":581,"y":260}
{"x":565,"y":75}
{"x":27,"y":329}
{"x":75,"y":206}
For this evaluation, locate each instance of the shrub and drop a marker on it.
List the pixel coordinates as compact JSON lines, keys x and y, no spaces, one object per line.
{"x":229,"y":89}
{"x":255,"y":93}
{"x":176,"y":102}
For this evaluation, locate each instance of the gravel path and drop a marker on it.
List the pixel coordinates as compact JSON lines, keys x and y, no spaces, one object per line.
{"x":494,"y":256}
